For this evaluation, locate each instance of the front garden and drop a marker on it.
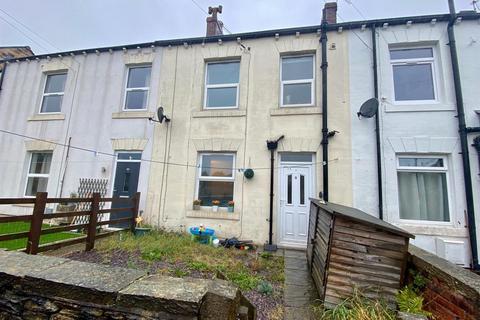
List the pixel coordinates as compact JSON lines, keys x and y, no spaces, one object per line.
{"x":259,"y":275}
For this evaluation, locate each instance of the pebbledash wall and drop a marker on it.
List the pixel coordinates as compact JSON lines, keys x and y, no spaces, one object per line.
{"x":244,"y":131}
{"x":91,"y":114}
{"x":416,"y":129}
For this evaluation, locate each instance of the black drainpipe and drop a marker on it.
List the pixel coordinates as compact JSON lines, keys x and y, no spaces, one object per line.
{"x":324,"y":66}
{"x":272,"y":146}
{"x":377,"y":125}
{"x":4,"y":68}
{"x":462,"y":129}
{"x":476,"y":144}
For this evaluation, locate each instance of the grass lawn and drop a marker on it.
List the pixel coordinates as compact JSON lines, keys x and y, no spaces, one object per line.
{"x":259,"y":276}
{"x":13,"y":227}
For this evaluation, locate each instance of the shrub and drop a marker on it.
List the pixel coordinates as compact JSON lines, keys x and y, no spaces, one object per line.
{"x":409,"y":301}
{"x":264,"y":287}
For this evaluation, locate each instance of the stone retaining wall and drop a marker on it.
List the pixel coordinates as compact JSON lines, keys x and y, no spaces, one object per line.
{"x":41,"y":287}
{"x":451,"y":292}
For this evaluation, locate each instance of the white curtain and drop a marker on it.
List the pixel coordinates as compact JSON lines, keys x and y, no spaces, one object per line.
{"x":423,"y":196}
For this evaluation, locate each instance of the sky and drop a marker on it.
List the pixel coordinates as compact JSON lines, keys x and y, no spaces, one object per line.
{"x":62,"y":25}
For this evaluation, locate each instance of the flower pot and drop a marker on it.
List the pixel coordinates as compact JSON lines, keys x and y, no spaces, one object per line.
{"x":231,"y":209}
{"x":215,"y":208}
{"x":141,"y":231}
{"x":196,"y":207}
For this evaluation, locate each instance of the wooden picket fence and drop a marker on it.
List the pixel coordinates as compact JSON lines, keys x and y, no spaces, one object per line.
{"x":38,"y":216}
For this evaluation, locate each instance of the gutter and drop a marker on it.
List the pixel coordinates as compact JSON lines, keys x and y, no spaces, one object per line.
{"x":462,"y":130}
{"x":377,"y":124}
{"x":325,"y":136}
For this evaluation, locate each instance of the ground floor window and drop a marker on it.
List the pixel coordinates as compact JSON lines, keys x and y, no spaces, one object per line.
{"x":423,"y":188}
{"x":215,"y":178}
{"x":38,"y":173}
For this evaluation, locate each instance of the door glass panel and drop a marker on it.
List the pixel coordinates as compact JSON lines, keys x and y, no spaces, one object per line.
{"x":296,"y":157}
{"x":126,"y":182}
{"x":129,"y":156}
{"x":302,"y":189}
{"x":289,"y":189}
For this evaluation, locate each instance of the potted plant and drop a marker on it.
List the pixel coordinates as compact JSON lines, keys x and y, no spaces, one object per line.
{"x":67,"y":206}
{"x":140,"y":230}
{"x":231,"y":205}
{"x":196,"y":204}
{"x":215,"y":204}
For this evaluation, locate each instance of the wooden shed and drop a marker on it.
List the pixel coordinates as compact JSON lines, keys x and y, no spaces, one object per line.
{"x":349,"y":249}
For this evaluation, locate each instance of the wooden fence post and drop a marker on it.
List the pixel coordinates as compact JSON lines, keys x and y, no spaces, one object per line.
{"x":92,"y":222}
{"x":36,"y":223}
{"x":136,"y":201}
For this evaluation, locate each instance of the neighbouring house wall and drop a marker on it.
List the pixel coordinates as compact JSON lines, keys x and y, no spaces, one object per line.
{"x":91,"y":114}
{"x":451,"y":292}
{"x":40,"y":287}
{"x":244,"y":131}
{"x":415,"y":129}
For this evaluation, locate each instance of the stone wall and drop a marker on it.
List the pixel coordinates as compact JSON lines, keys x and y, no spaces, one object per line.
{"x":451,"y":292}
{"x":41,"y":287}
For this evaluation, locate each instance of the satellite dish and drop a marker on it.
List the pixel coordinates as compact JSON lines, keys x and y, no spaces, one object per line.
{"x":369,"y":108}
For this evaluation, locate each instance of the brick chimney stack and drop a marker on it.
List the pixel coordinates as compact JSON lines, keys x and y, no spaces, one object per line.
{"x":330,"y":13}
{"x":214,"y":26}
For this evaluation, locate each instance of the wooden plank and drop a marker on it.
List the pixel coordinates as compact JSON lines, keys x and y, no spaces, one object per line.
{"x":36,"y":224}
{"x":115,"y":199}
{"x":334,"y":279}
{"x":60,"y":244}
{"x":13,"y":236}
{"x":367,"y":257}
{"x":374,"y":266}
{"x":369,"y":242}
{"x":92,"y":222}
{"x":63,"y":228}
{"x":115,"y":221}
{"x":135,"y":204}
{"x":66,"y":214}
{"x":17,"y":200}
{"x":362,"y":278}
{"x":114,"y":210}
{"x":106,"y":234}
{"x":16,"y":218}
{"x":384,"y":274}
{"x":371,"y":235}
{"x":367,"y":249}
{"x":70,"y":200}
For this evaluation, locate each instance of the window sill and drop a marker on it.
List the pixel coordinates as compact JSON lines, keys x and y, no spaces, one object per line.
{"x":209,"y":214}
{"x":418,"y":107}
{"x":47,"y":117}
{"x":24,"y":205}
{"x":434,"y":230}
{"x":133,"y":115}
{"x":293,"y":111}
{"x":223,"y":113}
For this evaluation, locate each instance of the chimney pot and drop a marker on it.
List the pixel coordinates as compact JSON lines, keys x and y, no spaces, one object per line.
{"x":330,"y":13}
{"x":214,"y":26}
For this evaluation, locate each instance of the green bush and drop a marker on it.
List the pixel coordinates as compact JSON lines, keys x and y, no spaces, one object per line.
{"x":409,"y":301}
{"x":264,"y":287}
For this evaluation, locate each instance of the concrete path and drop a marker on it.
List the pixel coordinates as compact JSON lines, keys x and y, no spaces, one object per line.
{"x":300,"y":291}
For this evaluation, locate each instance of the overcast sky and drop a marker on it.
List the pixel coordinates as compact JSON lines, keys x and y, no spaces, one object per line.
{"x":62,"y":25}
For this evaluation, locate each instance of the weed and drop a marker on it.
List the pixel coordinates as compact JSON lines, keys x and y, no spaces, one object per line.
{"x":243,"y":279}
{"x":265,"y":255}
{"x":199,"y":266}
{"x":179,"y":273}
{"x":265,"y":287}
{"x":409,"y":301}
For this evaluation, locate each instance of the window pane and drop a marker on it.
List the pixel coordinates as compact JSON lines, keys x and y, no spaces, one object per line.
{"x":129,"y":156}
{"x":223,"y":73}
{"x":217,"y":165}
{"x":302,"y":189}
{"x":299,"y":93}
{"x":215,"y":190}
{"x":297,"y":68}
{"x":138,"y":77}
{"x":40,"y":163}
{"x":411,"y":53}
{"x":36,"y":184}
{"x":296,"y":157}
{"x":136,"y":99}
{"x":52,"y":103}
{"x":421,"y":162}
{"x":55,"y":83}
{"x":423,"y":196}
{"x":413,"y":82}
{"x":289,"y":189}
{"x":221,"y":97}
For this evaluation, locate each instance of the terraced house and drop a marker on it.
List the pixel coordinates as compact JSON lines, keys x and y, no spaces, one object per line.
{"x":252,"y":125}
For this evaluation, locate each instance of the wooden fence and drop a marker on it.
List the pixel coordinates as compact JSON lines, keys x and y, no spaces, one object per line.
{"x":38,"y":216}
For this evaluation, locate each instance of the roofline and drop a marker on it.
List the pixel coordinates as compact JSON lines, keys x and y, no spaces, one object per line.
{"x":465,"y":15}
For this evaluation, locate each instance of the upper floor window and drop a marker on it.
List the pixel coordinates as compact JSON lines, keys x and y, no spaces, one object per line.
{"x":53,"y":93}
{"x":38,"y":173}
{"x":413,"y":74}
{"x":216,"y":178}
{"x":138,"y":85}
{"x":297,"y":81}
{"x":422,"y":188}
{"x":221,"y":85}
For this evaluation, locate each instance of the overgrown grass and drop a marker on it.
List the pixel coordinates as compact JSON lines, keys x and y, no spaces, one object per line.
{"x":14,"y":227}
{"x":243,"y":268}
{"x":358,"y":307}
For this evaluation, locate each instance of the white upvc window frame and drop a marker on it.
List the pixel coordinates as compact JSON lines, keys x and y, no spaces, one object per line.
{"x":35,"y":175}
{"x":124,"y":107}
{"x":212,"y":178}
{"x":443,"y":169}
{"x":60,"y":93}
{"x":225,"y":85}
{"x":301,"y":81}
{"x":415,"y":61}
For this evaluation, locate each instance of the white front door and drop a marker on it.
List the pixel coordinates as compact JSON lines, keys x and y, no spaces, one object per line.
{"x":295,"y":189}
